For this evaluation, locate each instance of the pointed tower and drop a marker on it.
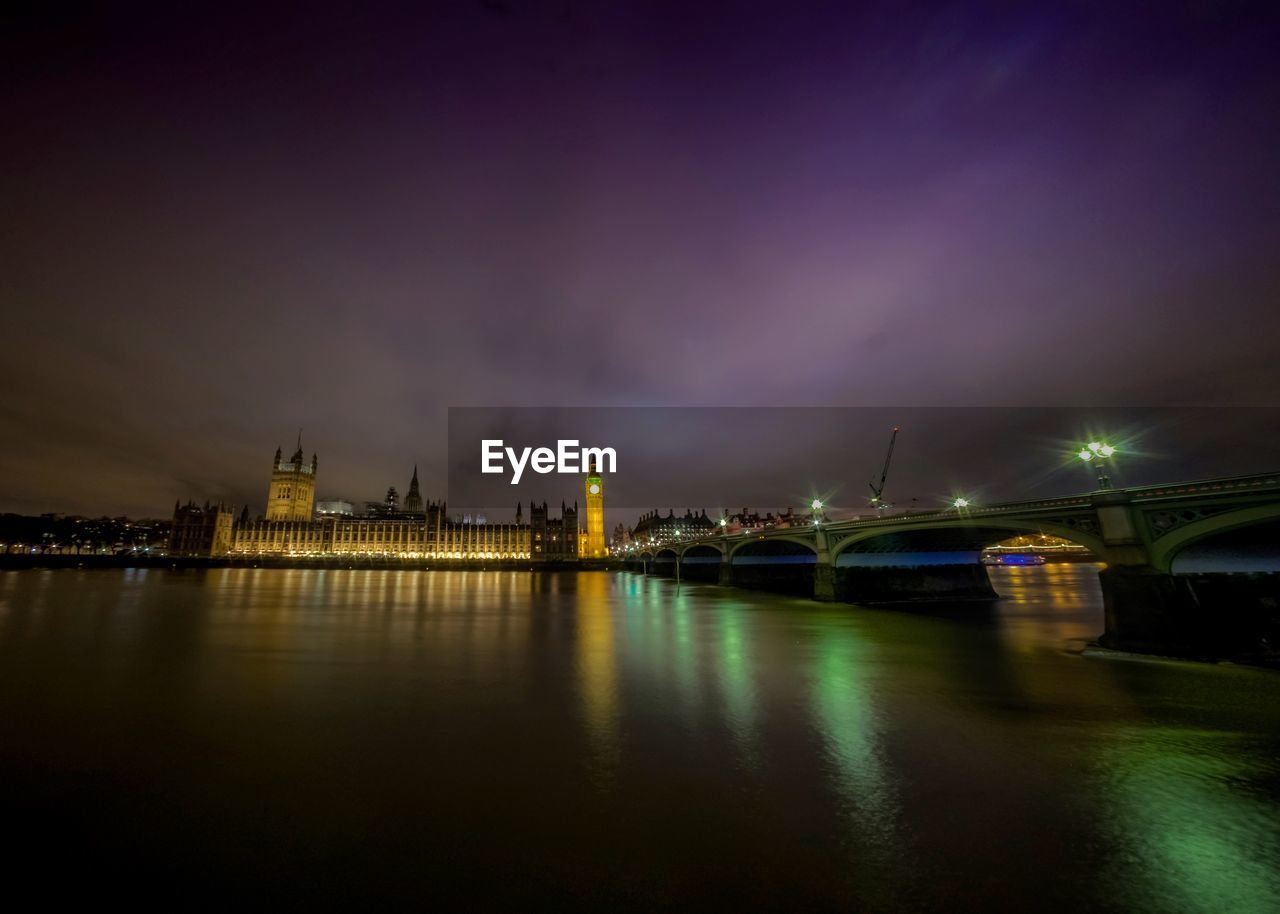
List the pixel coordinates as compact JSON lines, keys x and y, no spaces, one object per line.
{"x":413,"y":500}
{"x":292,"y":493}
{"x":595,"y":513}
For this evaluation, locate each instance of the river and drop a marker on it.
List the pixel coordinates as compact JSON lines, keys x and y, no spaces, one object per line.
{"x":509,"y":741}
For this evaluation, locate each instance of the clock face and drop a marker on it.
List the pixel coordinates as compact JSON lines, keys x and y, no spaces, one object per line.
{"x":594,"y":488}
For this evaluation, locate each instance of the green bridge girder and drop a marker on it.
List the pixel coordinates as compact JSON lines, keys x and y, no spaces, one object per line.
{"x":1139,"y":526}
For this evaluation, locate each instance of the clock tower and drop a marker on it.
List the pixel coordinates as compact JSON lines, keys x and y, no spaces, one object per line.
{"x":595,"y":514}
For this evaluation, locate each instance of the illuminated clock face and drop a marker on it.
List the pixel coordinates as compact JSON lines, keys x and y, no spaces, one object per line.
{"x":594,"y":488}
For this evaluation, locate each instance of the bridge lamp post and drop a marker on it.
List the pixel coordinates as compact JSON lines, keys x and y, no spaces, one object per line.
{"x":960,"y":504}
{"x":816,"y":507}
{"x":1098,"y":453}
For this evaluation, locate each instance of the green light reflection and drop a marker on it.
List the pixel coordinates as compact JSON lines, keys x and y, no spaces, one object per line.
{"x":1193,"y":834}
{"x":844,"y":709}
{"x":736,"y":683}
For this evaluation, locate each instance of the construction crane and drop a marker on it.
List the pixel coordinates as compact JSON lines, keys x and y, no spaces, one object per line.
{"x":877,"y":491}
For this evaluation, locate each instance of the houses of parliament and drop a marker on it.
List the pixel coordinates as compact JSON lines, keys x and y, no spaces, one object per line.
{"x":291,"y":526}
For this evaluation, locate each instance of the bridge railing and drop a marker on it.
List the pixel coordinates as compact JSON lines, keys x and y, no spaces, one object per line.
{"x":1226,"y":484}
{"x":1208,"y":486}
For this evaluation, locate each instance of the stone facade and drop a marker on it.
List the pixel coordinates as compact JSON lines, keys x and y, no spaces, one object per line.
{"x":292,"y":493}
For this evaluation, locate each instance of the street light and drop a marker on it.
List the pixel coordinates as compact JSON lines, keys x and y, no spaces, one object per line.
{"x":1098,"y":453}
{"x":960,"y":503}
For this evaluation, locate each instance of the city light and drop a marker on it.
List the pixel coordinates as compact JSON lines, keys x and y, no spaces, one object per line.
{"x":1097,"y":453}
{"x":960,"y":503}
{"x":816,"y":504}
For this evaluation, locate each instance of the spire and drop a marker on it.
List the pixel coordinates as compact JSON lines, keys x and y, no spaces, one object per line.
{"x":413,"y":498}
{"x":297,"y":455}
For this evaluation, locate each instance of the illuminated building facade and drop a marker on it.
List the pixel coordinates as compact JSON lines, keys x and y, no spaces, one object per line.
{"x":595,"y":514}
{"x":412,"y":529}
{"x":428,"y":536}
{"x":292,"y":493}
{"x":656,"y":528}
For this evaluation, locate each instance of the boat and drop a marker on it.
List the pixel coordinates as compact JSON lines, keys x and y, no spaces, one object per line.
{"x":1012,"y":558}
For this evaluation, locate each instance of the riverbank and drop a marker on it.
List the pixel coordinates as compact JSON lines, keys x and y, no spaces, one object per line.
{"x":390,"y":563}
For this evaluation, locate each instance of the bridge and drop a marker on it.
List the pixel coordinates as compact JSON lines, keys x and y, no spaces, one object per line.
{"x":1137,"y":532}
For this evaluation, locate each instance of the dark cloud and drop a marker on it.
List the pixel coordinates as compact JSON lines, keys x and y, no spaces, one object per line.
{"x":220,"y":225}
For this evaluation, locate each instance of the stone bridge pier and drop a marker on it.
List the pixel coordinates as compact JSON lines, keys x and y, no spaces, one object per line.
{"x":1151,"y":609}
{"x":1138,"y":533}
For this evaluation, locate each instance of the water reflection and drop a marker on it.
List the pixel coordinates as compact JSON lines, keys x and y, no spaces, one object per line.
{"x":1053,"y":605}
{"x":734,"y":668}
{"x":597,"y":675}
{"x":1193,"y":831}
{"x":616,"y":739}
{"x":842,"y":680}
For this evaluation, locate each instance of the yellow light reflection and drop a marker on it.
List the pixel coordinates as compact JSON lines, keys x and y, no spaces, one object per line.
{"x":597,"y":675}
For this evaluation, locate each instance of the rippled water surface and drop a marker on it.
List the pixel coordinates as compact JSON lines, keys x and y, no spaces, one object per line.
{"x":506,"y":740}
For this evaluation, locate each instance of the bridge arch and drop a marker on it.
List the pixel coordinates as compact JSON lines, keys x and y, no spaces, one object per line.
{"x":959,"y":535}
{"x":701,"y":562}
{"x":704,"y":548}
{"x":935,"y":559}
{"x":782,"y":564}
{"x":757,"y":545}
{"x":1164,"y":551}
{"x":664,"y":561}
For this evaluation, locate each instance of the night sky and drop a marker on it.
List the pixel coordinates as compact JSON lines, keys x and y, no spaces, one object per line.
{"x":221,"y":224}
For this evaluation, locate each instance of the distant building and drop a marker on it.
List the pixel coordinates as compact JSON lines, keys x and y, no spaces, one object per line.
{"x":198,"y":531}
{"x":790,"y":518}
{"x":415,"y":529}
{"x":748,"y":520}
{"x":657,"y":528}
{"x":388,"y":507}
{"x":550,"y":538}
{"x":292,"y":493}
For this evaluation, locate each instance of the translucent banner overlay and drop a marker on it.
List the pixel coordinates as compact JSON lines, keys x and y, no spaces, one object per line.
{"x":726,"y":459}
